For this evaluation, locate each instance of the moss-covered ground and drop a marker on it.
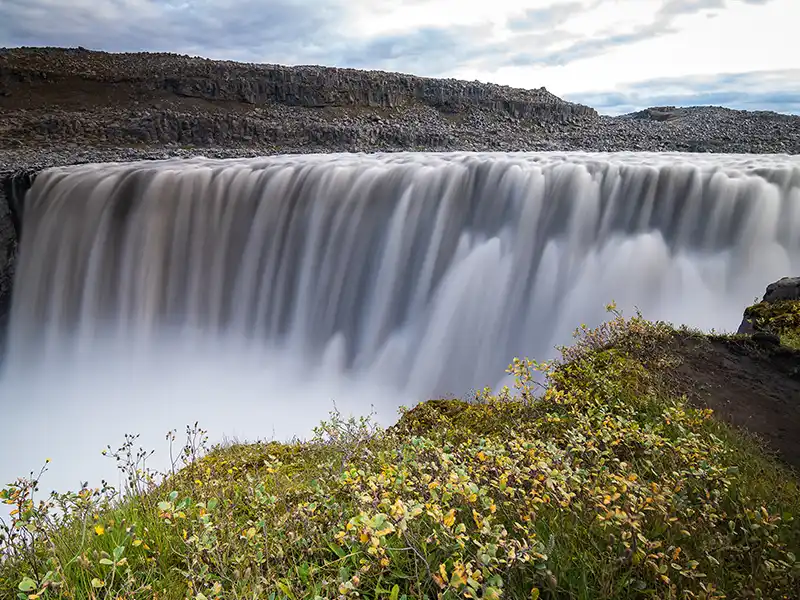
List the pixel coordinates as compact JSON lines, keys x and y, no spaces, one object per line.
{"x":601,"y":483}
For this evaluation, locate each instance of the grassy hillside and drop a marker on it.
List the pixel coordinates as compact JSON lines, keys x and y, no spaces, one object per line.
{"x":602,"y":483}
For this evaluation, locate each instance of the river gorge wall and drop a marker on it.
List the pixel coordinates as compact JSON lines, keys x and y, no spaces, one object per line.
{"x":13,"y":188}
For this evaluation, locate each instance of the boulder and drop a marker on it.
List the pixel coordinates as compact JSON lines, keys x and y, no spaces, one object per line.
{"x":787,"y":288}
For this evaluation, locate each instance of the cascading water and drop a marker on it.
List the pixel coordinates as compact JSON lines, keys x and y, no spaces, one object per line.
{"x":409,"y":275}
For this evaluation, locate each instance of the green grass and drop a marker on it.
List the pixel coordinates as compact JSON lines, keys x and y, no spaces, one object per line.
{"x":601,"y":484}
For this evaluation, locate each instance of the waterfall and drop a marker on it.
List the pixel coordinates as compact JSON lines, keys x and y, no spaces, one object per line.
{"x":429,"y":271}
{"x":253,"y":294}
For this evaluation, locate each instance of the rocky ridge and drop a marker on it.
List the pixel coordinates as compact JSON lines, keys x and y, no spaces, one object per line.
{"x":63,"y":101}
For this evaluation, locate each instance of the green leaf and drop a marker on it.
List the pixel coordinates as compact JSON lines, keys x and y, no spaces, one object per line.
{"x":338,"y":550}
{"x":285,"y":589}
{"x":212,"y":504}
{"x":173,"y":495}
{"x":97,"y":583}
{"x":164,"y":506}
{"x":395,"y":592}
{"x":118,"y":552}
{"x":26,"y":585}
{"x":106,"y":561}
{"x":491,"y":593}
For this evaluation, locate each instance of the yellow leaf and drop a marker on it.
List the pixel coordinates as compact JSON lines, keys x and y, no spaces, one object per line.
{"x":450,"y":518}
{"x":99,"y":529}
{"x":457,"y":580}
{"x":137,"y":543}
{"x":477,"y":518}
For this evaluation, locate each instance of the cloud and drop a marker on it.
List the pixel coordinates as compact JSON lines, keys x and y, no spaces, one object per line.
{"x":426,"y":51}
{"x":662,"y":23}
{"x":542,"y":32}
{"x":424,"y":37}
{"x":764,"y":90}
{"x":299,"y":31}
{"x":555,"y":15}
{"x":236,"y":29}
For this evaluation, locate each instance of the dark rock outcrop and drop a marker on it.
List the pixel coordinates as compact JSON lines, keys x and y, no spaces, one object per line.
{"x":786,"y":288}
{"x":13,"y":187}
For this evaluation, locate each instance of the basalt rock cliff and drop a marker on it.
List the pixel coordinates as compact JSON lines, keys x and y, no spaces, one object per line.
{"x":83,"y":97}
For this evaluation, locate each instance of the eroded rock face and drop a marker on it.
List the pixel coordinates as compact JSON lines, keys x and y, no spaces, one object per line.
{"x":12,"y":190}
{"x":8,"y":255}
{"x":263,"y":84}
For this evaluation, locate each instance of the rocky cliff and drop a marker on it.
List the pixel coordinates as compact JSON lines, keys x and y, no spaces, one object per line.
{"x":60,"y":102}
{"x":12,"y":190}
{"x":63,"y":71}
{"x":49,"y":95}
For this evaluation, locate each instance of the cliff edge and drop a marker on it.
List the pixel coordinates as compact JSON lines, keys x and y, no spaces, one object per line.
{"x":83,"y":97}
{"x":62,"y":102}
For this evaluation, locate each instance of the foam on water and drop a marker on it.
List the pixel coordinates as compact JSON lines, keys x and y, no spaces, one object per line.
{"x":251,"y":294}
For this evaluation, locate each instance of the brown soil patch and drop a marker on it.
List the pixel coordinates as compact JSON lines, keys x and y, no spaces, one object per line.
{"x":748,"y":385}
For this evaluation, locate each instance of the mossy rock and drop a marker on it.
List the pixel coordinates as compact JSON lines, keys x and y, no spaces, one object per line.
{"x":781,"y":317}
{"x":454,"y":416}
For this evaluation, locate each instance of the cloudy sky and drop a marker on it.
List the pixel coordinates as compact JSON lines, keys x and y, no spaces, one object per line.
{"x":615,"y":55}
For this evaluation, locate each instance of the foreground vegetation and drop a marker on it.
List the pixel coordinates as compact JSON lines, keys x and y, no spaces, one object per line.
{"x":598,"y":483}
